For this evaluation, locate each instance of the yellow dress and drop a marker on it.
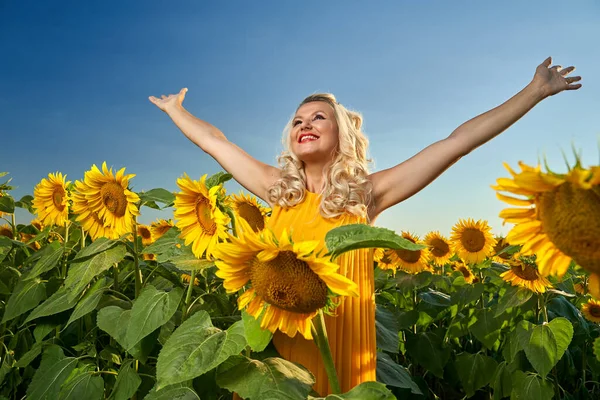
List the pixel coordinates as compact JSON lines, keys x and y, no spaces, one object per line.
{"x":352,"y":332}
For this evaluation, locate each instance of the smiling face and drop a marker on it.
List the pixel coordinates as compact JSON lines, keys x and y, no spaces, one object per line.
{"x":314,"y":135}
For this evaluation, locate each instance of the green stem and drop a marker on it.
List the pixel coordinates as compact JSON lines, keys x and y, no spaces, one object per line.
{"x":233,"y":229}
{"x":188,"y":296}
{"x":545,"y":310}
{"x":320,"y":336}
{"x":65,"y":255}
{"x":14,"y":225}
{"x":138,"y":273}
{"x":82,"y":238}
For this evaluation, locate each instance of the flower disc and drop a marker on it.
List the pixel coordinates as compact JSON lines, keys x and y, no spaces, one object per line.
{"x":472,"y":241}
{"x":591,"y":310}
{"x":51,"y":199}
{"x":248,"y":208}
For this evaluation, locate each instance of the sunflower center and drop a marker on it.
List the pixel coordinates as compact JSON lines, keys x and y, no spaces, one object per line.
{"x":570,"y":217}
{"x":288,"y":283}
{"x":114,"y":199}
{"x":409,"y":256}
{"x":501,"y":245}
{"x":203,"y":215}
{"x":386,"y":259}
{"x":252,"y":215}
{"x":57,"y":197}
{"x":440,"y":248}
{"x":4,"y":231}
{"x":594,"y":310}
{"x":466,"y":273}
{"x":144,"y":233}
{"x":472,"y":240}
{"x":525,"y":272}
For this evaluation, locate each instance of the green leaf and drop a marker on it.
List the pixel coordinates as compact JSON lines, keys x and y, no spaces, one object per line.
{"x":90,"y":300}
{"x":561,"y":307}
{"x":5,"y":246}
{"x":167,"y":246}
{"x":511,"y":346}
{"x":82,"y":272}
{"x":26,"y":295}
{"x":81,"y":384}
{"x":127,"y":382}
{"x":50,"y":256}
{"x":158,"y":195}
{"x":31,"y":355}
{"x":150,"y":311}
{"x":217,"y":179}
{"x":272,"y":378}
{"x":427,"y":350}
{"x":408,"y":282}
{"x":26,"y":202}
{"x":475,"y":371}
{"x":530,"y":387}
{"x":392,"y":374}
{"x":502,"y":381}
{"x":363,"y":391}
{"x":513,"y":297}
{"x":42,"y":329}
{"x":486,"y":328}
{"x":7,"y":204}
{"x":196,"y":347}
{"x":98,"y":246}
{"x":258,"y":339}
{"x":545,"y":344}
{"x":187,"y":261}
{"x":54,"y":369}
{"x":435,"y":298}
{"x":359,"y":236}
{"x":55,"y":304}
{"x":386,"y":330}
{"x":173,"y":392}
{"x":597,"y":348}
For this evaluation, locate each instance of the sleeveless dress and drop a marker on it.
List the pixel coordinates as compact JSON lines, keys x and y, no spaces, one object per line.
{"x":352,"y":332}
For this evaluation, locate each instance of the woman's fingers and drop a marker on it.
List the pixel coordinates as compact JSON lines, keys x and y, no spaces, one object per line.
{"x":567,"y":71}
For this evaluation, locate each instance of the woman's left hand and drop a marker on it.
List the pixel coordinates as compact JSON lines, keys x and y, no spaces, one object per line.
{"x":552,"y":80}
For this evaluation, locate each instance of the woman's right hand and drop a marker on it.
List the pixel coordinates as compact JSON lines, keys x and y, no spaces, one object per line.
{"x":167,"y":103}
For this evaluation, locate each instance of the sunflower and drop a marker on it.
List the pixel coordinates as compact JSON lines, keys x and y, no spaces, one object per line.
{"x":501,"y":244}
{"x":89,"y":219}
{"x":288,"y":281}
{"x":26,"y":237}
{"x":6,"y":230}
{"x":525,"y":274}
{"x":248,"y":208}
{"x":439,"y":247}
{"x":472,"y":241}
{"x":201,"y":222}
{"x":160,"y":227}
{"x":465,"y":271}
{"x":580,"y":288}
{"x":591,"y":310}
{"x":149,"y":257}
{"x":145,"y":233}
{"x":187,"y":278}
{"x":37,"y":224}
{"x":559,"y":219}
{"x":411,"y":261}
{"x":384,"y":260}
{"x":51,"y":199}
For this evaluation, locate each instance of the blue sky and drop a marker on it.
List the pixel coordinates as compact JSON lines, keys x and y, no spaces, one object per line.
{"x":75,"y":78}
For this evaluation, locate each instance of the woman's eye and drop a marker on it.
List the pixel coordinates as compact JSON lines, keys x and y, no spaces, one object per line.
{"x":296,"y":123}
{"x":319,"y":116}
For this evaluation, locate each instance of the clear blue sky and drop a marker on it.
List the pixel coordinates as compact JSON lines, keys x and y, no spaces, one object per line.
{"x":75,"y":77}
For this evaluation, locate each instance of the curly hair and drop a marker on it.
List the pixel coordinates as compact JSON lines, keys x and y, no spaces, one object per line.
{"x":347,"y":188}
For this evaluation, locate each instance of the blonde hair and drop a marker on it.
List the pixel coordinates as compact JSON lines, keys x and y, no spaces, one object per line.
{"x":347,"y":188}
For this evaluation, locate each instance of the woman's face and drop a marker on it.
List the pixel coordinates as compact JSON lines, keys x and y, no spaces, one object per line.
{"x":314,"y":135}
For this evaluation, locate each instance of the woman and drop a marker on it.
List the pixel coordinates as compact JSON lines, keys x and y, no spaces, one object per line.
{"x":323,"y":182}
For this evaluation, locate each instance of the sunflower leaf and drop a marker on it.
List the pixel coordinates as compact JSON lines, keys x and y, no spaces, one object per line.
{"x":54,"y":369}
{"x":98,"y":246}
{"x":196,"y":347}
{"x":596,"y":348}
{"x":26,"y":203}
{"x":178,"y":391}
{"x":55,"y":304}
{"x":50,"y":256}
{"x":475,"y":371}
{"x":366,"y":390}
{"x":82,"y":271}
{"x":486,"y":328}
{"x":386,"y":329}
{"x":513,"y":297}
{"x":359,"y":236}
{"x":127,"y":382}
{"x":7,"y":204}
{"x":217,"y":179}
{"x":158,"y":195}
{"x":392,"y":374}
{"x":81,"y":384}
{"x":530,"y":387}
{"x":502,"y":381}
{"x":272,"y":378}
{"x":427,"y":350}
{"x":257,"y":338}
{"x":90,"y":300}
{"x":25,"y":296}
{"x":167,"y":246}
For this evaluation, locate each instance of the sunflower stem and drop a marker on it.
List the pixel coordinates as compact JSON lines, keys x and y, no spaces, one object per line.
{"x":320,"y":335}
{"x":82,"y":242}
{"x":232,"y":218}
{"x":136,"y":262}
{"x":65,"y":255}
{"x":188,"y":296}
{"x":13,"y":221}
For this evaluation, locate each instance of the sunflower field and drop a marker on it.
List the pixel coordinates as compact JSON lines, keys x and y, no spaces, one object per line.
{"x":95,"y":305}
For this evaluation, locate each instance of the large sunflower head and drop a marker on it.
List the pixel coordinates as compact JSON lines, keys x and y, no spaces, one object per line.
{"x":51,"y":199}
{"x":384,"y":259}
{"x":6,"y":230}
{"x":248,"y":208}
{"x":160,"y":227}
{"x":411,"y":261}
{"x":439,"y":247}
{"x":472,"y":241}
{"x":201,"y":222}
{"x":89,"y":219}
{"x":106,"y":197}
{"x":591,"y":310}
{"x":145,"y":233}
{"x":287,"y":283}
{"x":523,"y":272}
{"x":558,"y":220}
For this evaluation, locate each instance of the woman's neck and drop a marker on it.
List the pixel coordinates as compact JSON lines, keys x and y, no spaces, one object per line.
{"x":315,"y":179}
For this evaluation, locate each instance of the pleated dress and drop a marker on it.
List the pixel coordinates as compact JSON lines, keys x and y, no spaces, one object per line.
{"x":351,"y":332}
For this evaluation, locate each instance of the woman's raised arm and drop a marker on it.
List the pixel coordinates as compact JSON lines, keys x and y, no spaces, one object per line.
{"x":252,"y":174}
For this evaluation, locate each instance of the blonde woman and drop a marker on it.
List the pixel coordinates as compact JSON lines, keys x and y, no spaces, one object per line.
{"x":323,"y":181}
